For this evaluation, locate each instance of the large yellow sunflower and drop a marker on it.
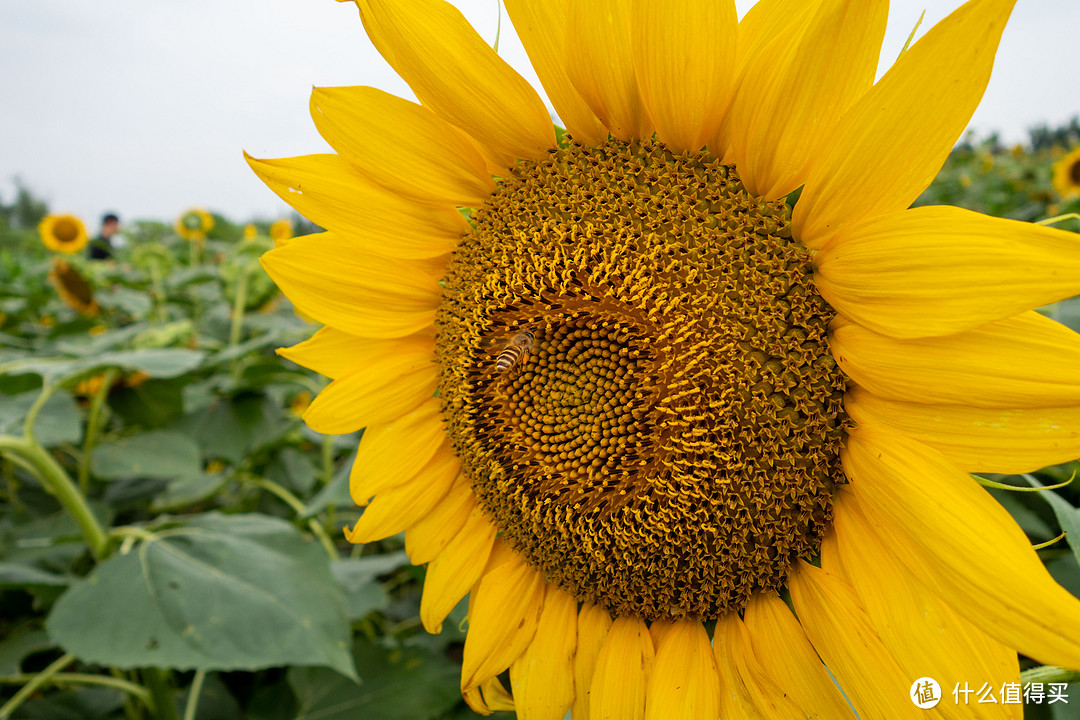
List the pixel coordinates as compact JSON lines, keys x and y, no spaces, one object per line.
{"x":1067,"y":175}
{"x":713,"y":404}
{"x":63,"y":233}
{"x":74,"y":289}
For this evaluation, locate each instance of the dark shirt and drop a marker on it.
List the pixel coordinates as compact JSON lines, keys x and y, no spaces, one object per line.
{"x":100,"y":248}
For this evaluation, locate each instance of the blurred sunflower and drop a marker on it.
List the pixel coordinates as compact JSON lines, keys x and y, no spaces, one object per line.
{"x":1067,"y":175}
{"x":717,"y":391}
{"x":73,"y":288}
{"x":194,"y":224}
{"x":281,"y":230}
{"x":63,"y":233}
{"x":250,"y":232}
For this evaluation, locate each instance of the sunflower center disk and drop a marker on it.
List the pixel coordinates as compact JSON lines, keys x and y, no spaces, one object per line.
{"x":65,"y":231}
{"x":670,"y":443}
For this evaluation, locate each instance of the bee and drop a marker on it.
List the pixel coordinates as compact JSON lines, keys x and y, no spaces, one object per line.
{"x":517,"y":350}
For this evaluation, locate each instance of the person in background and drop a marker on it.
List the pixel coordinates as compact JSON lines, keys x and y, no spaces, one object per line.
{"x":101,"y":247}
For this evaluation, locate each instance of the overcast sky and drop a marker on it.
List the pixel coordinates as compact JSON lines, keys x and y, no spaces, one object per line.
{"x":143,"y":106}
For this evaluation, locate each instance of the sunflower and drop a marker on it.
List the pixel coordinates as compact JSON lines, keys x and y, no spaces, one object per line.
{"x":194,"y":224}
{"x":714,"y":404}
{"x":73,"y":288}
{"x":250,"y":232}
{"x":281,"y":230}
{"x":1067,"y":175}
{"x":63,"y":233}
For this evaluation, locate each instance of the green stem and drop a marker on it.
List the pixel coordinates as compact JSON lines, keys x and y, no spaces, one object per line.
{"x":125,"y":686}
{"x":94,"y":418}
{"x":59,"y":483}
{"x":238,"y":307}
{"x":47,"y":390}
{"x":31,"y":687}
{"x":327,"y":459}
{"x":1049,"y":674}
{"x":298,"y":507}
{"x":161,"y":694}
{"x":159,"y":291}
{"x":193,"y":695}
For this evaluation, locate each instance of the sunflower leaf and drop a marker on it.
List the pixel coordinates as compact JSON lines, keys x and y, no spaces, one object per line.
{"x":237,"y":592}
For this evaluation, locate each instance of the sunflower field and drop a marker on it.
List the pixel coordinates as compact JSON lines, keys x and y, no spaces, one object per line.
{"x":171,"y":536}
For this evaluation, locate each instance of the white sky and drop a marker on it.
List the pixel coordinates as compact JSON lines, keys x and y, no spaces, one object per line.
{"x":143,"y":106}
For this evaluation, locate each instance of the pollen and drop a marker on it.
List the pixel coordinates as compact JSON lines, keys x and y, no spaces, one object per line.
{"x":670,"y":443}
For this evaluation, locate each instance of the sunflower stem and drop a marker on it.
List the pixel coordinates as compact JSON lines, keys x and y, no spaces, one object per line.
{"x":35,"y":682}
{"x":193,"y":694}
{"x":1049,"y":674}
{"x":298,"y":507}
{"x":95,"y":416}
{"x":159,"y":291}
{"x":126,"y":686}
{"x":59,"y":483}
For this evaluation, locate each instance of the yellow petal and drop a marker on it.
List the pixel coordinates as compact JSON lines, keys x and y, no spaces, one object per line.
{"x":788,"y":102}
{"x":428,"y":537}
{"x":504,"y":611}
{"x":489,"y":697}
{"x":941,"y":270}
{"x":926,"y":637}
{"x":384,"y":390}
{"x":365,"y":295}
{"x":789,"y":660}
{"x":542,"y":29}
{"x":393,"y":453}
{"x":887,"y":148}
{"x":622,"y":672}
{"x":844,"y":636}
{"x":746,"y":690}
{"x":450,"y":575}
{"x":594,"y":622}
{"x":542,"y":679}
{"x":331,"y":193}
{"x":1024,"y":361}
{"x":334,"y":353}
{"x":1002,"y":440}
{"x":401,"y":145}
{"x":684,"y":684}
{"x":684,"y":62}
{"x":455,"y":73}
{"x":961,"y":544}
{"x":769,"y":28}
{"x":399,"y":507}
{"x":600,"y":64}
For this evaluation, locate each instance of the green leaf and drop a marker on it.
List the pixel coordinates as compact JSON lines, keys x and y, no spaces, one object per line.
{"x":155,"y":362}
{"x":335,"y":492}
{"x":397,"y":684}
{"x":81,"y":703}
{"x":215,"y":702}
{"x":58,"y":421}
{"x":359,"y":579}
{"x":157,"y":454}
{"x":20,"y":575}
{"x":236,"y":428}
{"x":186,"y":491}
{"x":294,"y":470}
{"x":239,"y":592}
{"x":13,"y":650}
{"x":152,"y":404}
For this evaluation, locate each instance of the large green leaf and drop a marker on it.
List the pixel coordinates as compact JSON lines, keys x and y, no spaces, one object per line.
{"x":396,"y":684}
{"x":238,"y":592}
{"x":14,"y":649}
{"x":157,"y":454}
